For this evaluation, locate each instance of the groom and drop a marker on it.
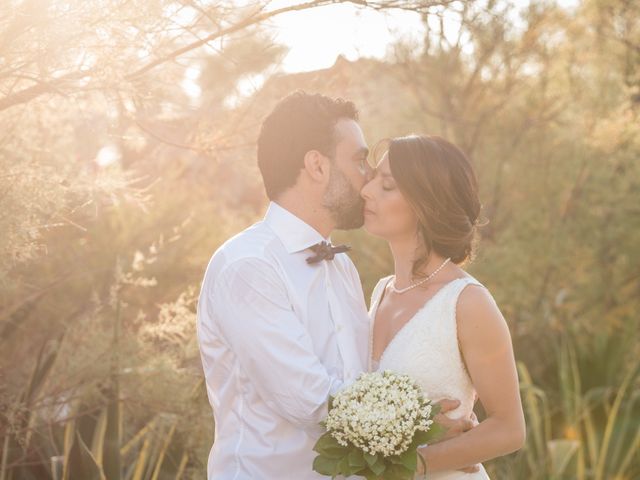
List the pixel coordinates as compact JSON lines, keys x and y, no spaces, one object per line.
{"x":282,"y":322}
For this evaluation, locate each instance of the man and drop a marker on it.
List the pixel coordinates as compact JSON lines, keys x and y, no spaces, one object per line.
{"x":282,"y":322}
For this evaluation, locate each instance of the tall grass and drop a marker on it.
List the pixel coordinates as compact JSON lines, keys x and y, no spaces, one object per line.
{"x":584,"y":420}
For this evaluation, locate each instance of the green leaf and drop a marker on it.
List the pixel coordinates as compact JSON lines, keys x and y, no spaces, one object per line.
{"x":326,"y":440}
{"x":68,"y":448}
{"x":344,"y":468}
{"x":326,"y":466}
{"x":409,"y":459}
{"x":435,"y":433}
{"x":398,"y":472}
{"x":111,"y":458}
{"x":395,"y":460}
{"x":91,"y":468}
{"x":370,"y":459}
{"x":369,"y":475}
{"x":379,"y":467}
{"x":329,"y":447}
{"x":97,"y":443}
{"x":356,"y":459}
{"x":421,"y":437}
{"x":336,"y":453}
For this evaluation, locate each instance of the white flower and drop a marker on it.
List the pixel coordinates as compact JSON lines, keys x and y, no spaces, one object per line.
{"x":379,"y":413}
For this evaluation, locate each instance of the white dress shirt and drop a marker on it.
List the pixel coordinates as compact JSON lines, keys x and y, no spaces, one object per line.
{"x":277,"y":336}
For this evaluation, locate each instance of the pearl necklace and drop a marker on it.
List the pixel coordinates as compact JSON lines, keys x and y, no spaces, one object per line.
{"x":392,"y":285}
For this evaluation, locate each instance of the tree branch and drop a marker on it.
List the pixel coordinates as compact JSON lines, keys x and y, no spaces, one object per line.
{"x":247,"y":22}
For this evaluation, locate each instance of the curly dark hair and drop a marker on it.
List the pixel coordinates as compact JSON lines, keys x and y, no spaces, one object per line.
{"x":299,"y":123}
{"x":439,"y":182}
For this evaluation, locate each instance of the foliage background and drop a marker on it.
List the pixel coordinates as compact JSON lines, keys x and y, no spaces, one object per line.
{"x":116,"y":186}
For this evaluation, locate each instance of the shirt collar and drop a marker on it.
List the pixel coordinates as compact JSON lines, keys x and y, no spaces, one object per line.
{"x":295,"y":234}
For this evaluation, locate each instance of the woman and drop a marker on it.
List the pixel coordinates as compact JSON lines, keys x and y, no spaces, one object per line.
{"x":432,"y":320}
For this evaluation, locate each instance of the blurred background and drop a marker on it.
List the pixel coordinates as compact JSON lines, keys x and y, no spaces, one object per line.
{"x":127,"y":156}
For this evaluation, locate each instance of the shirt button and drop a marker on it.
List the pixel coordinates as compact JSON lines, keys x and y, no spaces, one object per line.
{"x":339,"y":328}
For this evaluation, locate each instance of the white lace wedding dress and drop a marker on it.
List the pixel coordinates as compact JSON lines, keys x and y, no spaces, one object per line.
{"x":426,"y":348}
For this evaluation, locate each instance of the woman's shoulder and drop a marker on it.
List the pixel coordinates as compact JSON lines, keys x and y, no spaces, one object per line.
{"x":476,"y":307}
{"x":473,"y":294}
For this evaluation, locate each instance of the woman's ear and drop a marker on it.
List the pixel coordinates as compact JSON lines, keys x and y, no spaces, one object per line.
{"x":317,"y":166}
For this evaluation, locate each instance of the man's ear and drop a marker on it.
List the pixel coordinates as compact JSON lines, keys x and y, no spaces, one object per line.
{"x":317,"y":166}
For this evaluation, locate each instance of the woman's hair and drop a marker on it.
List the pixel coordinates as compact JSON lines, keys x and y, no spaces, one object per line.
{"x":438,"y":181}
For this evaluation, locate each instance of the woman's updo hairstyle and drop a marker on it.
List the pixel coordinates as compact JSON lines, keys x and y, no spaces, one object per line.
{"x":438,"y":180}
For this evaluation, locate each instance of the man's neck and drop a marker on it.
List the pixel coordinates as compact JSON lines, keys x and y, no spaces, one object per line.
{"x":309,"y":212}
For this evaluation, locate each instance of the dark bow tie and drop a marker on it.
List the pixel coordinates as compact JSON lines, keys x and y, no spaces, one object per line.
{"x":326,"y":251}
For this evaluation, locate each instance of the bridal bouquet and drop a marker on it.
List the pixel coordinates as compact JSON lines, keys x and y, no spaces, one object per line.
{"x":374,"y":428}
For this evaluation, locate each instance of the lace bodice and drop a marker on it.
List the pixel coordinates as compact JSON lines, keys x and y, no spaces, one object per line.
{"x":426,"y":348}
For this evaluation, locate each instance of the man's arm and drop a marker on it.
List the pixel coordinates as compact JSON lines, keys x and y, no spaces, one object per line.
{"x":455,"y":426}
{"x":249,"y":306}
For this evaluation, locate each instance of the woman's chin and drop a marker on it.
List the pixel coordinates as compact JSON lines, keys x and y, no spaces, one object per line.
{"x":370,"y":227}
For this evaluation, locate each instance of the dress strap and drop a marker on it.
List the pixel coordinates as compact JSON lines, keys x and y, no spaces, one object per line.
{"x":460,"y":285}
{"x":470,"y":281}
{"x":378,"y":290}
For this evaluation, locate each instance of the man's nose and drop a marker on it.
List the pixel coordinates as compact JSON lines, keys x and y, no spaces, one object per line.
{"x":364,"y":191}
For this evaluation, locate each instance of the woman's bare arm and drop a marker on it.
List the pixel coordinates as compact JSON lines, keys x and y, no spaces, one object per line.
{"x":486,"y":346}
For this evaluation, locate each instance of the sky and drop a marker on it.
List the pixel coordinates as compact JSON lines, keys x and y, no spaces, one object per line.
{"x":315,"y":37}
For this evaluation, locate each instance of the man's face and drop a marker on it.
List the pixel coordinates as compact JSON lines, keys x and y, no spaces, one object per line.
{"x":350,"y":171}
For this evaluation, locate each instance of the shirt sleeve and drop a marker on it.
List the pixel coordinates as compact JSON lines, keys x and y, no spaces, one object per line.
{"x":356,"y":283}
{"x":252,"y":311}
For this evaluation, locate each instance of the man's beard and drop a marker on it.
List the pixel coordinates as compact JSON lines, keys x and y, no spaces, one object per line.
{"x":344,"y":202}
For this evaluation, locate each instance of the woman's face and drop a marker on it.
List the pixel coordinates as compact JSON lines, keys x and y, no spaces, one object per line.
{"x":387,"y":213}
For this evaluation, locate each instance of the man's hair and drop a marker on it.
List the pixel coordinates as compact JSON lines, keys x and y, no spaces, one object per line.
{"x":299,"y":123}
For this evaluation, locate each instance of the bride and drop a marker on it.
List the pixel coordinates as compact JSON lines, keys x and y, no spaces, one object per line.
{"x":431,"y":319}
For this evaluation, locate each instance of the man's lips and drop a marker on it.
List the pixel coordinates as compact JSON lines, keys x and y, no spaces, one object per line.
{"x":368,"y":212}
